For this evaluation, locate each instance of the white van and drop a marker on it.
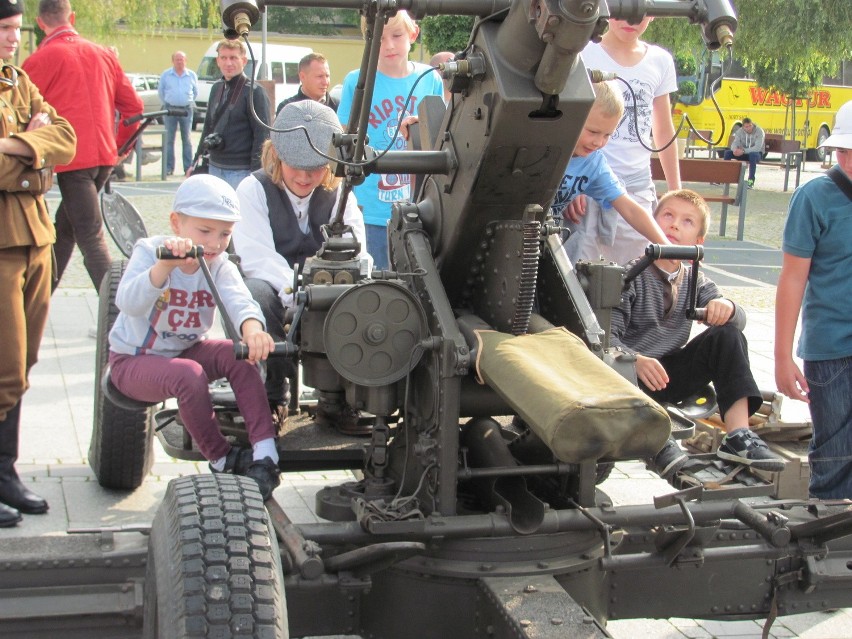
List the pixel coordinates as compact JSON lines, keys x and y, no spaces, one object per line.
{"x":282,"y":63}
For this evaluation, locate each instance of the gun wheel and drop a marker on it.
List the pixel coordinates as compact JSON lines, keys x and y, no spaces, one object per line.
{"x":214,"y":568}
{"x":120,"y":451}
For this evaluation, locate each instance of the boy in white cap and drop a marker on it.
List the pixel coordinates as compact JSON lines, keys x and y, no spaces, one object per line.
{"x":817,"y":248}
{"x":284,"y":206}
{"x":159,"y":346}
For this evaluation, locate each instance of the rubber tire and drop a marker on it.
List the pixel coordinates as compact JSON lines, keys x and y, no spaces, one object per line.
{"x":818,"y":155}
{"x":214,"y":566}
{"x":121,"y":448}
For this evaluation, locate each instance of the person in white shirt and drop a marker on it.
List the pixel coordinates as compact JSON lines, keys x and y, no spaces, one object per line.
{"x":284,"y":206}
{"x":646,"y":124}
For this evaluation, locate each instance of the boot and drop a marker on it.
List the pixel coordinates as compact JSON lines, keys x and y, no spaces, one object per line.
{"x":12,"y":492}
{"x":9,"y":516}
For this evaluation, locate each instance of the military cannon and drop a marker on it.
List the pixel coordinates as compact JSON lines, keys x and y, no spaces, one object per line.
{"x":467,"y":522}
{"x":480,"y":319}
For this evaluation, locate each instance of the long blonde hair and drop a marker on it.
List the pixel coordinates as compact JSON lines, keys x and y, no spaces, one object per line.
{"x":271,"y":163}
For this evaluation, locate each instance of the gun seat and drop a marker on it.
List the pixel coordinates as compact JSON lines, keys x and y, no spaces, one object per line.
{"x":582,"y":409}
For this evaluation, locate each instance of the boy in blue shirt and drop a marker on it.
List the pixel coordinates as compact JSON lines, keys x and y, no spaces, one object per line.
{"x":588,"y":175}
{"x":395,"y":77}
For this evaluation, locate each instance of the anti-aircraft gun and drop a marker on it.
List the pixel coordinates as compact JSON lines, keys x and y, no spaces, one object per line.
{"x":479,"y":320}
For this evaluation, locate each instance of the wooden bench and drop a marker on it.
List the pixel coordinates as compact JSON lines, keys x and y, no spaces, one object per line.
{"x":695,"y":143}
{"x":791,"y":154}
{"x":717,"y":172}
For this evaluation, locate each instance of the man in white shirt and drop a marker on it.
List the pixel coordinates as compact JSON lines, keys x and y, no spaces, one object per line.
{"x":178,"y":88}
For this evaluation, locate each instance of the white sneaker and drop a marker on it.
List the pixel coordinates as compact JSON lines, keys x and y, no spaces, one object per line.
{"x":93,"y":332}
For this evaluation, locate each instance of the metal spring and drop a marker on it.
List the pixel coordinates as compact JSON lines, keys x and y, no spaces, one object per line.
{"x":531,"y":252}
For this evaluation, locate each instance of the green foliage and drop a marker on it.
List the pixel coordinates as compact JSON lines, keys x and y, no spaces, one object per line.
{"x":687,"y":87}
{"x":814,"y":38}
{"x":685,"y":63}
{"x":678,"y":36}
{"x":445,"y":33}
{"x":308,"y":21}
{"x":96,"y":17}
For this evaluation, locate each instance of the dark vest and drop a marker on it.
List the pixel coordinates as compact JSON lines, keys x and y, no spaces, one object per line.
{"x":290,"y":243}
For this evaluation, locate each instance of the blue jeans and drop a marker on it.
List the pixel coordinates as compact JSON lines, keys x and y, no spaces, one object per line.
{"x":377,"y":245}
{"x":231,"y":176}
{"x":752,"y":158}
{"x":830,"y":454}
{"x":172,"y":123}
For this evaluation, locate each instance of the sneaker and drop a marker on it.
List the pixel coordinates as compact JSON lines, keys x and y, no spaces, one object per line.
{"x":267,"y":475}
{"x":744,"y":447}
{"x":669,"y":460}
{"x":237,"y":462}
{"x":750,"y":183}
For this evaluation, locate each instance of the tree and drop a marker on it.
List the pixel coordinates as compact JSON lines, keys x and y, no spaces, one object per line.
{"x":155,"y":16}
{"x":99,"y":17}
{"x":309,"y":21}
{"x":446,"y":33}
{"x":816,"y":37}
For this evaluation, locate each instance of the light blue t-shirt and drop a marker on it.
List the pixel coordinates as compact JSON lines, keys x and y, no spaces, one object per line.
{"x":377,"y":192}
{"x":589,"y":176}
{"x":819,"y":227}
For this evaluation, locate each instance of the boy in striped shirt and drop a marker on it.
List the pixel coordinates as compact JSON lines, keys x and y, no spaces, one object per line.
{"x":651,"y":323}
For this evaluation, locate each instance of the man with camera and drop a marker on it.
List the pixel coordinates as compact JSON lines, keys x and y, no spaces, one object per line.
{"x":232,"y":136}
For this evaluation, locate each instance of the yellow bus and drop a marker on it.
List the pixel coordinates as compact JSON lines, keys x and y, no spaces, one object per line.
{"x":739,"y":97}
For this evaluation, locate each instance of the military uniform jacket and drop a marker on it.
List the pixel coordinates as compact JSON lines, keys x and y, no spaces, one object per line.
{"x":25,"y":219}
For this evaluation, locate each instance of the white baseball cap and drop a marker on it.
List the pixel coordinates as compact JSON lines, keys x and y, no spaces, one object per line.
{"x":209,"y":197}
{"x":841,"y":136}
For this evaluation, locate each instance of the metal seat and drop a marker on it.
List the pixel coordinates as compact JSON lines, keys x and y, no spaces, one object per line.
{"x":117,"y":397}
{"x":699,"y":405}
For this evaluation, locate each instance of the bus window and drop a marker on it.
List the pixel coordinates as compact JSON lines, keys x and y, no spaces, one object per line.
{"x":277,"y":72}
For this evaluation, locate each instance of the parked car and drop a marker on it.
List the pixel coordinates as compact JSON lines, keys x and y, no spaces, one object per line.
{"x":146,"y":86}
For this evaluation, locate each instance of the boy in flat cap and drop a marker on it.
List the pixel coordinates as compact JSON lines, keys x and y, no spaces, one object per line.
{"x":159,"y":346}
{"x":284,"y":206}
{"x":33,"y":139}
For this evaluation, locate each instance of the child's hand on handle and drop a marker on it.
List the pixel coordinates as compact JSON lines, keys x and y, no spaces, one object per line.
{"x":259,"y":342}
{"x":180,"y":247}
{"x":719,"y":311}
{"x":177,"y":250}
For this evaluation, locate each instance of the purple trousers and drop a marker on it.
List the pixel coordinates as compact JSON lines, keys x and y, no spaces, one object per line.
{"x":153,"y":378}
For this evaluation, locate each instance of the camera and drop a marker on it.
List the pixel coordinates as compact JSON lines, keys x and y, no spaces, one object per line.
{"x":214,"y":141}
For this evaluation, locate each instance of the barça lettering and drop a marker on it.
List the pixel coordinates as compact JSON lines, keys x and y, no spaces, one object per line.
{"x":181,"y":310}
